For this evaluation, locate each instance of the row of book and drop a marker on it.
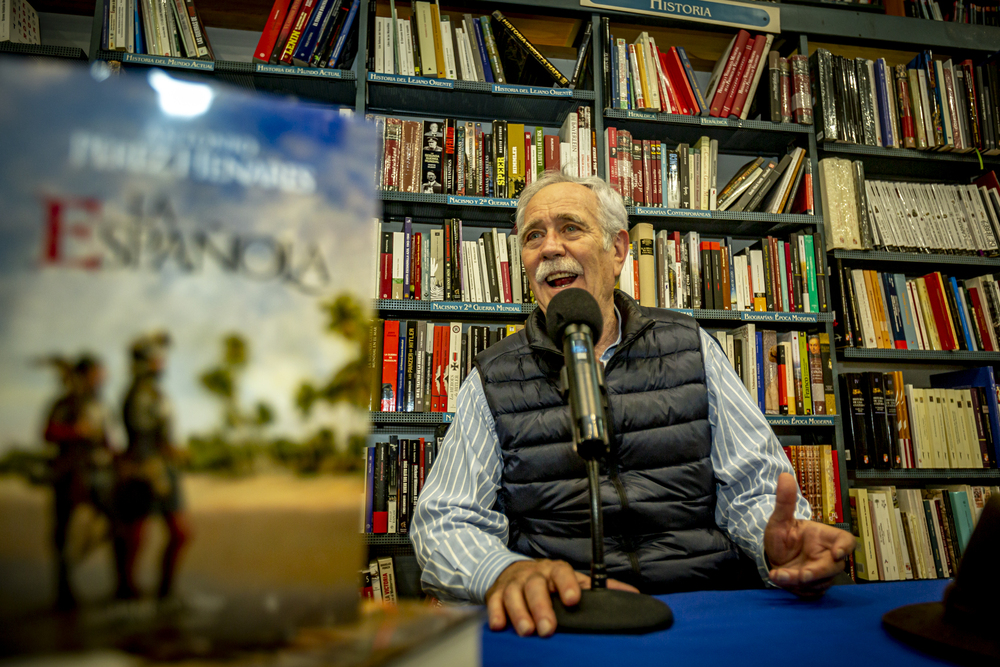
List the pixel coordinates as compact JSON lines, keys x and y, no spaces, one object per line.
{"x":887,"y":311}
{"x":927,"y":104}
{"x":421,"y":40}
{"x":394,"y":476}
{"x":378,"y":581}
{"x":817,"y":471}
{"x":461,"y":158}
{"x":786,"y":373}
{"x":913,"y":533}
{"x":19,"y":23}
{"x":647,"y":173}
{"x":310,"y":33}
{"x":422,"y":365}
{"x":167,"y":28}
{"x":897,"y":425}
{"x":440,"y":265}
{"x":641,"y":76}
{"x":953,"y":11}
{"x":671,"y":271}
{"x":862,"y":213}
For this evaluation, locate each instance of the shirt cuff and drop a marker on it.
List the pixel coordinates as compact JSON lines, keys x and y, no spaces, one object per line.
{"x":487,"y":572}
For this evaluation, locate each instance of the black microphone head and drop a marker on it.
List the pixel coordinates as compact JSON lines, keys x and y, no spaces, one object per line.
{"x":573,"y":306}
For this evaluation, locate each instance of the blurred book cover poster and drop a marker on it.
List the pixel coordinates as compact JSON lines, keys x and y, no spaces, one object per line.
{"x":184,"y":302}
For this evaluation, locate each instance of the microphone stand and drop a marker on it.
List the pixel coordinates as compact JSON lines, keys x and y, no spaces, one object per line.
{"x":600,"y":610}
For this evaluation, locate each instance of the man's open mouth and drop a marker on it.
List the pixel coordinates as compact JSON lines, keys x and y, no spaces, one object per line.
{"x":561,"y":279}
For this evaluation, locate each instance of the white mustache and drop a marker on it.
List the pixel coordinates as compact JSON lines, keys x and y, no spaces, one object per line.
{"x":560,"y":265}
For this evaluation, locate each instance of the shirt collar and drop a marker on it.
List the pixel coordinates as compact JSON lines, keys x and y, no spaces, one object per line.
{"x":611,"y":348}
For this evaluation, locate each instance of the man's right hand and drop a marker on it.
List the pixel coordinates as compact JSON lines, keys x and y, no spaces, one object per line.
{"x":523,"y":592}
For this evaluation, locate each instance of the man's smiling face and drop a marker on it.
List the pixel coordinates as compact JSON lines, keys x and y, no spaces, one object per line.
{"x":564,"y":245}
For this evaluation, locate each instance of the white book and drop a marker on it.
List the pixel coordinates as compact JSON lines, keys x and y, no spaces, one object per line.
{"x":450,"y":71}
{"x":883,"y":533}
{"x":946,"y":126}
{"x":149,"y":27}
{"x":473,"y":42}
{"x":623,"y":73}
{"x":425,"y":266}
{"x":398,"y":252}
{"x":652,"y":92}
{"x":130,"y":23}
{"x":454,"y":364}
{"x":405,"y":47}
{"x":925,"y":102}
{"x":515,"y":268}
{"x":18,"y":22}
{"x":163,"y":27}
{"x":864,"y":309}
{"x":463,"y":62}
{"x":436,"y":292}
{"x":625,"y":280}
{"x":904,"y":552}
{"x":380,"y":44}
{"x":566,"y":162}
{"x":661,"y":79}
{"x":183,"y":22}
{"x":470,"y":276}
{"x":713,"y":177}
{"x":500,"y":253}
{"x":425,"y":39}
{"x":121,"y":25}
{"x":757,"y":274}
{"x":730,"y":350}
{"x":465,"y":45}
{"x":484,"y":271}
{"x":464,"y":275}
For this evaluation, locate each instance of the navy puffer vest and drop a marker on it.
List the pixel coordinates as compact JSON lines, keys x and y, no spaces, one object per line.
{"x":658,"y":488}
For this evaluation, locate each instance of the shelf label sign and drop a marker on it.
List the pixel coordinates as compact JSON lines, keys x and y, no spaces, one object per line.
{"x":639,"y":115}
{"x":533,"y":91}
{"x":447,"y":417}
{"x":805,"y":420}
{"x":456,"y":307}
{"x":406,"y":80}
{"x":167,"y":61}
{"x":778,"y":317}
{"x":456,"y":200}
{"x":321,"y":72}
{"x":719,"y":12}
{"x":715,"y":121}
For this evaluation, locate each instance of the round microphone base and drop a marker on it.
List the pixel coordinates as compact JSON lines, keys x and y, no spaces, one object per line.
{"x":611,"y":612}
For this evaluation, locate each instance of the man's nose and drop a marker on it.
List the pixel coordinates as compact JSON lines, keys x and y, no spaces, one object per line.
{"x":552,"y":246}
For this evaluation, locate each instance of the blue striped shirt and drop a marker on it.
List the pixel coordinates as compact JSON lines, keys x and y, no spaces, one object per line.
{"x":461,"y":542}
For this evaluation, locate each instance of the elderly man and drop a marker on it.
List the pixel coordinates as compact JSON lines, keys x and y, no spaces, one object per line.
{"x":697,"y":493}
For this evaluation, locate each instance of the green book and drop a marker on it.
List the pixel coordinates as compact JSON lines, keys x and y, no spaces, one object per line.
{"x":811,"y":271}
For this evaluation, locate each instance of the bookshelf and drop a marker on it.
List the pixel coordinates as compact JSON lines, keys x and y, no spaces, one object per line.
{"x":803,"y":24}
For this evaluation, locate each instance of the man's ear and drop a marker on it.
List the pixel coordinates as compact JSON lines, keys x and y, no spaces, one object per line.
{"x":620,"y":250}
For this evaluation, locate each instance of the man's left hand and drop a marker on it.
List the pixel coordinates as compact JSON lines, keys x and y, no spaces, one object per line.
{"x":805,"y":556}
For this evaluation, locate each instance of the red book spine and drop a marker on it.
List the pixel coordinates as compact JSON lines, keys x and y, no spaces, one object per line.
{"x":286,"y":29}
{"x":423,"y":458}
{"x":390,"y":367}
{"x":734,"y":84}
{"x":385,"y":267}
{"x":638,"y":194}
{"x":979,"y":313}
{"x":300,"y":24}
{"x":529,"y":161}
{"x":418,"y":266}
{"x":674,"y":70}
{"x":611,"y":136}
{"x":751,"y":69}
{"x":733,"y":62}
{"x":551,"y":152}
{"x":508,"y":291}
{"x":271,"y":31}
{"x":647,"y":171}
{"x":939,"y":308}
{"x":782,"y":381}
{"x":789,"y":278}
{"x":657,"y":173}
{"x":837,"y":506}
{"x":905,"y":113}
{"x":436,"y":371}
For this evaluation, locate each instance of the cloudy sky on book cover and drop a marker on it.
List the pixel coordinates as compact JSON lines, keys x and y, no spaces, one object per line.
{"x":136,"y":204}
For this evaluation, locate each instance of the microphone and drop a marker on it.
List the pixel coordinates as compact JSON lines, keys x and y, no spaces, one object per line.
{"x":574,"y":321}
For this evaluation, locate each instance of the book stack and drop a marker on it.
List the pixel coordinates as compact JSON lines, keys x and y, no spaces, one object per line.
{"x":310,"y":33}
{"x":647,"y":173}
{"x":394,"y":476}
{"x":440,"y":265}
{"x":785,"y":373}
{"x":913,"y":533}
{"x":378,"y":581}
{"x":421,"y":40}
{"x":769,"y":275}
{"x":19,"y":23}
{"x":818,"y":474}
{"x":926,"y":104}
{"x":931,"y":312}
{"x":171,"y":28}
{"x":423,"y":364}
{"x":462,"y":158}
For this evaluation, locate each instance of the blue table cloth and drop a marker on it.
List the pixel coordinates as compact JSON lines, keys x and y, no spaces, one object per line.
{"x":766,"y":628}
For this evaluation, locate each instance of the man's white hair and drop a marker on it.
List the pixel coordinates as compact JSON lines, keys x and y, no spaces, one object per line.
{"x":611,"y":213}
